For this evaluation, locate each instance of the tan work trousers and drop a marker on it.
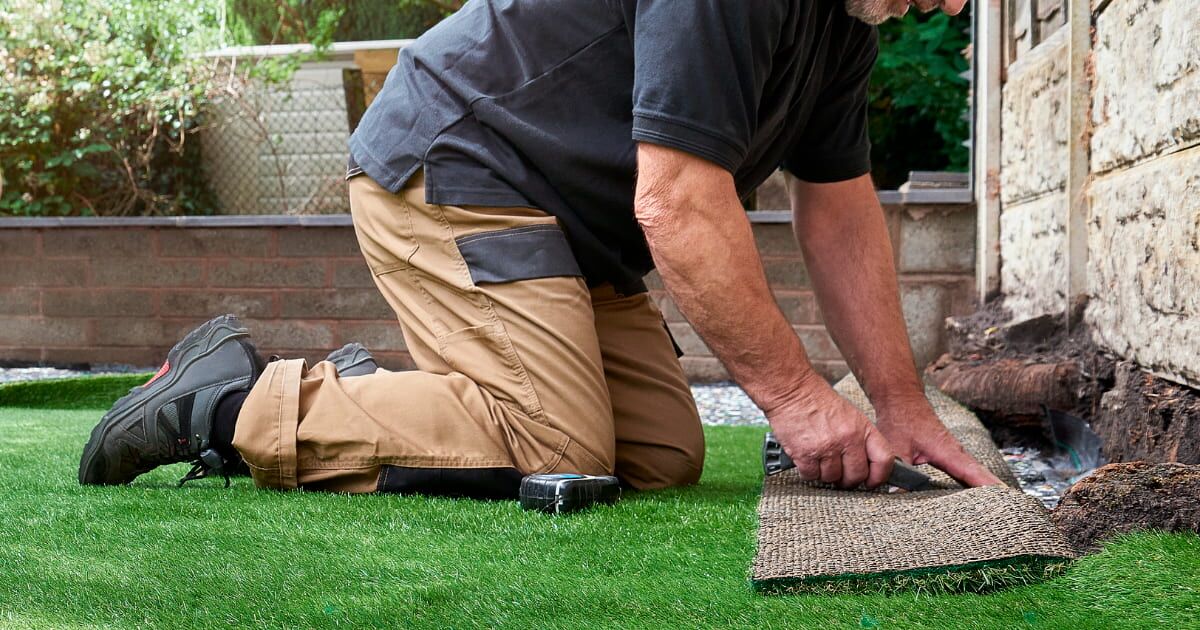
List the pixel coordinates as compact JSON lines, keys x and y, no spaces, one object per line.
{"x":514,"y":377}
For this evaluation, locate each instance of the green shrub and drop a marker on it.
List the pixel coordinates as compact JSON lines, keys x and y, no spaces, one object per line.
{"x":918,"y":99}
{"x":97,"y":105}
{"x":290,"y":21}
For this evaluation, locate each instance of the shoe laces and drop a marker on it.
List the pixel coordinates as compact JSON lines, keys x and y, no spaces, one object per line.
{"x":209,"y":462}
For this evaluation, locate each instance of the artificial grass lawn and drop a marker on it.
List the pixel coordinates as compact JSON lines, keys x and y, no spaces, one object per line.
{"x":153,"y":555}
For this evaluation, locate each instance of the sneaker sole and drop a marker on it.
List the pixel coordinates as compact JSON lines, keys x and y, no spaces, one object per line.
{"x":210,"y":336}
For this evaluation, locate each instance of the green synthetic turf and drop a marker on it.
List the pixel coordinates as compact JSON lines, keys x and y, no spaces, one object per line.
{"x":82,"y":392}
{"x":152,"y":555}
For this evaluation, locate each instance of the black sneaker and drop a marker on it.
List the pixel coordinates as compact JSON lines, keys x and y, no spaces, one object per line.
{"x":353,"y":359}
{"x":169,"y":419}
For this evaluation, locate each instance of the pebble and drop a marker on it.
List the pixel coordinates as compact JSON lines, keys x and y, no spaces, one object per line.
{"x":726,"y":404}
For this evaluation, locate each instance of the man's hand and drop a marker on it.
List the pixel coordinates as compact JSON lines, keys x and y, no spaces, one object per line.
{"x":830,"y":440}
{"x":918,"y":437}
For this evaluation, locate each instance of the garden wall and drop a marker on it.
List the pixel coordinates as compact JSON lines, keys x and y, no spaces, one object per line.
{"x":1143,"y":187}
{"x":122,"y":291}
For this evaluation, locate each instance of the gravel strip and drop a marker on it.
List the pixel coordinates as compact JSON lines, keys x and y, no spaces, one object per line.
{"x":726,"y":404}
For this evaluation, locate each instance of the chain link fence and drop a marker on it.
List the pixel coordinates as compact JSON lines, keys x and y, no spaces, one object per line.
{"x":281,"y":149}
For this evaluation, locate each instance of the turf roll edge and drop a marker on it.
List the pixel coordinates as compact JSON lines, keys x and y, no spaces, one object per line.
{"x":814,"y":538}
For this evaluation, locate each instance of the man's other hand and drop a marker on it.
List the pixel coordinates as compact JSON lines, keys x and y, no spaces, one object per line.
{"x":918,"y":437}
{"x":830,"y":440}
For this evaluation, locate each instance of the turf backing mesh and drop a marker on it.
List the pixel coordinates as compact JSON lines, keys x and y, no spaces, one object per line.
{"x":813,"y":537}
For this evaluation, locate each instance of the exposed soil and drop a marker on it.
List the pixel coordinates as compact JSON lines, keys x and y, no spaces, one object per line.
{"x":1146,"y":417}
{"x":1008,"y":371}
{"x":1130,"y":496}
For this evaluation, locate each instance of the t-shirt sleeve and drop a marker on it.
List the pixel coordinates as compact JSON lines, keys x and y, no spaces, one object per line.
{"x":834,"y":145}
{"x":699,"y":71}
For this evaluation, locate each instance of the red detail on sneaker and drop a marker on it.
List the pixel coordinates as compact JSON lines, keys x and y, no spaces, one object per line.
{"x":162,"y":370}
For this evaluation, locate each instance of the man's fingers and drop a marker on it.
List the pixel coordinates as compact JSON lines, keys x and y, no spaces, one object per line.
{"x":957,"y":463}
{"x":831,"y":469}
{"x":880,"y":455}
{"x":855,"y":468}
{"x":808,"y":469}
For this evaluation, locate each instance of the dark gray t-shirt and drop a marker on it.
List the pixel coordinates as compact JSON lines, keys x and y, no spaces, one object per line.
{"x":540,"y":103}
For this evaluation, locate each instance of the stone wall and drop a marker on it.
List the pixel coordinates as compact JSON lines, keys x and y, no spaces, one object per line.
{"x":1033,"y":179}
{"x":1144,"y":228}
{"x":1143,"y":192}
{"x":119,"y":291}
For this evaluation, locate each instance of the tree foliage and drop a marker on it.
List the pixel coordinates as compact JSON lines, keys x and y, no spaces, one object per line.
{"x":96,"y":104}
{"x":918,"y":98}
{"x":292,"y":21}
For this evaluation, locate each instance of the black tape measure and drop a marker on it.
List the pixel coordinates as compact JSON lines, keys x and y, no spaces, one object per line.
{"x":567,"y":492}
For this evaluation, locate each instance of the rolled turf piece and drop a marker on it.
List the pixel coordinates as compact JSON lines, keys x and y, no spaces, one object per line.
{"x":814,"y":538}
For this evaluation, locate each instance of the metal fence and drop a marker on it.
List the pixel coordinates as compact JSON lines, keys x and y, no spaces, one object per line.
{"x":280,"y":149}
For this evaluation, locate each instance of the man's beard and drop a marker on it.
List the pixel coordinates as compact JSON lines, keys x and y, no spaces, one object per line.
{"x":878,"y":11}
{"x":869,"y":11}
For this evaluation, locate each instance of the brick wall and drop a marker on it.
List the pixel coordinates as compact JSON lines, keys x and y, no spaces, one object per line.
{"x":123,"y":291}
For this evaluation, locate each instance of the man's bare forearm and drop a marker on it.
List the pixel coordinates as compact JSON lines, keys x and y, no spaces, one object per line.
{"x":704,"y":250}
{"x":841,"y":230}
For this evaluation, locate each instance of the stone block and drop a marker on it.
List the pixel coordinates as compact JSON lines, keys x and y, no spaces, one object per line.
{"x":1147,"y":81}
{"x":1144,"y":264}
{"x":832,"y":371}
{"x":210,"y":303}
{"x":38,"y":331}
{"x":233,"y":242}
{"x":772,"y":194}
{"x":1034,"y":122}
{"x":58,"y":272}
{"x":266,"y":273}
{"x":334,"y":304}
{"x":275,"y":335}
{"x":667,"y":306}
{"x":703,"y":370}
{"x":142,"y":273}
{"x":690,"y":342}
{"x":352,"y":273}
{"x":1033,"y":271}
{"x":145,"y":357}
{"x":143,"y":332}
{"x":775,"y":239}
{"x":97,"y":303}
{"x":937,"y":241}
{"x":385,"y":336}
{"x":19,"y":301}
{"x":653,"y":281}
{"x":817,"y":343}
{"x":924,"y":312}
{"x":106,"y":242}
{"x":786,"y":273}
{"x":17,"y":244}
{"x":310,"y":241}
{"x":20,"y":356}
{"x":798,"y":307}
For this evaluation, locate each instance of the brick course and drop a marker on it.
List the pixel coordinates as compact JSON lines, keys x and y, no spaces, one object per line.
{"x":124,"y":295}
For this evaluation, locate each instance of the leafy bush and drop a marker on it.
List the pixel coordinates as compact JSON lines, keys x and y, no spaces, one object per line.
{"x":290,"y":21}
{"x":918,"y":99}
{"x":97,"y":103}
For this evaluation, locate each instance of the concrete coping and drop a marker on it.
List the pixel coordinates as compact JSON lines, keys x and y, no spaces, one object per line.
{"x":337,"y":50}
{"x":952,"y":197}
